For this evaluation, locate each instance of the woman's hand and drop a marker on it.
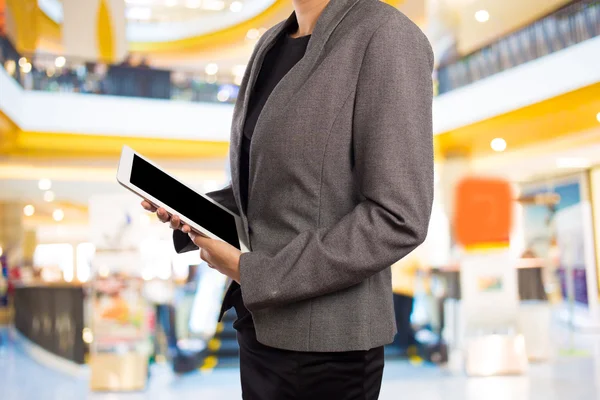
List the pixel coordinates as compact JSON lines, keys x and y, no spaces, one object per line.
{"x":164,"y":216}
{"x":219,"y":255}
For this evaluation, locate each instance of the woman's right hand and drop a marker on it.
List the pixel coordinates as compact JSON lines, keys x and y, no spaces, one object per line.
{"x":164,"y":216}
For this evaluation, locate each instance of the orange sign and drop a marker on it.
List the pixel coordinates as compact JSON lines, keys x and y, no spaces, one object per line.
{"x":483,"y":214}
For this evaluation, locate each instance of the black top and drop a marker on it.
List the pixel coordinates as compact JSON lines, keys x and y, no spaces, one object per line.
{"x":278,"y":61}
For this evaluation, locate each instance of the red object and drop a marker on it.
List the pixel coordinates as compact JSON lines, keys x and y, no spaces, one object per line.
{"x":483,"y":213}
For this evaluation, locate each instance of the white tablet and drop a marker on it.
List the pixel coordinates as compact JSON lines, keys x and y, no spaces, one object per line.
{"x":200,"y":212}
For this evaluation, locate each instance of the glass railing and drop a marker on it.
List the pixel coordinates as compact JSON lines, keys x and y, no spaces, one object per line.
{"x":572,"y":24}
{"x":51,"y":73}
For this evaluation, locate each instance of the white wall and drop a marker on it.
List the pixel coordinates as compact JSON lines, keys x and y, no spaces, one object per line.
{"x":530,"y":83}
{"x":547,"y":77}
{"x":111,"y":115}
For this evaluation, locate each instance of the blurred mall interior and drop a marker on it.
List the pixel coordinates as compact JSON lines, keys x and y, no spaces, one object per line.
{"x":94,"y":302}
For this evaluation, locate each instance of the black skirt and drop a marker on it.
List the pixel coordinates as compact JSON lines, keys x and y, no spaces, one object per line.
{"x":274,"y":374}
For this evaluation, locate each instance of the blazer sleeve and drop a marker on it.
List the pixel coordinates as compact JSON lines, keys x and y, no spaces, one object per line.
{"x":393,"y":147}
{"x":224,"y":197}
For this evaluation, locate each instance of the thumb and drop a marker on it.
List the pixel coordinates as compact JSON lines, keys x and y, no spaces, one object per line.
{"x":199,"y":240}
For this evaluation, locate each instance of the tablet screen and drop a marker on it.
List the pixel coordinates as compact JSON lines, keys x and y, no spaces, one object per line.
{"x":184,"y":200}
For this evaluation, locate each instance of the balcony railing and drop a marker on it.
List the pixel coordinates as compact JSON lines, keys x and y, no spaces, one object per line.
{"x":51,"y":73}
{"x":572,"y":24}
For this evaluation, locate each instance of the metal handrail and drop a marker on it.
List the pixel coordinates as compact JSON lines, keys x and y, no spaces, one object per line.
{"x":572,"y":24}
{"x":52,"y":73}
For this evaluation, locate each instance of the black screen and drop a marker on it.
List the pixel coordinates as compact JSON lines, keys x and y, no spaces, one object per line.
{"x":184,"y":200}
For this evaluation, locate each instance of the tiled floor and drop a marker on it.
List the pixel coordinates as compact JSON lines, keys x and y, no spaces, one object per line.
{"x":566,"y":378}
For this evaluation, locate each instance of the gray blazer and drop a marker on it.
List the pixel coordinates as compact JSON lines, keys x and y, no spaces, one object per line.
{"x":341,"y":179}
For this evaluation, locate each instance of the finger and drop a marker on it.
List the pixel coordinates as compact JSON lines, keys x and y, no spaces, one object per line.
{"x":163,"y":215}
{"x":175,"y":222}
{"x":147,"y":206}
{"x":186,"y":228}
{"x":200,"y":240}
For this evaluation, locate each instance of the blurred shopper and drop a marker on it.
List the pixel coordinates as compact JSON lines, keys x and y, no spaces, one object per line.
{"x":336,"y":187}
{"x":404,"y":283}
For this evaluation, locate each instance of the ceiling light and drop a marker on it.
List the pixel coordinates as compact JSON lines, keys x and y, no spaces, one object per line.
{"x":193,"y":3}
{"x":253,"y":34}
{"x":26,"y":68}
{"x":171,"y":3}
{"x":482,"y":16}
{"x":60,"y":62}
{"x":45,"y":184}
{"x":10,"y":66}
{"x":573,"y":162}
{"x":87,"y":335}
{"x":58,"y":215}
{"x":28,"y":210}
{"x":147,"y":275}
{"x":22,"y":62}
{"x":223,"y":95}
{"x":598,"y":117}
{"x":236,"y":6}
{"x":212,"y":69}
{"x":49,"y":196}
{"x":498,"y":144}
{"x":240,"y":70}
{"x":213,"y":5}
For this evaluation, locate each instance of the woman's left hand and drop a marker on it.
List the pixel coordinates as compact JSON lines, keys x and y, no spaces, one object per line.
{"x":219,"y":255}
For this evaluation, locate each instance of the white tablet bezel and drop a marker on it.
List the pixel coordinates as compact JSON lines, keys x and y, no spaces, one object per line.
{"x":124,"y":175}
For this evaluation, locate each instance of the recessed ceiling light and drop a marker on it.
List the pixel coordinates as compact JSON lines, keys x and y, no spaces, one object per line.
{"x":28,"y":210}
{"x":498,"y":144}
{"x":58,"y":215}
{"x":223,"y":95}
{"x":482,"y":16}
{"x":45,"y":184}
{"x":49,"y":196}
{"x":253,"y":34}
{"x":236,"y":6}
{"x":238,"y":70}
{"x":26,"y":68}
{"x":60,"y":62}
{"x":211,"y":69}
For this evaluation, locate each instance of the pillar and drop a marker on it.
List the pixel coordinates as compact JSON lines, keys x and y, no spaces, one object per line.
{"x":12,"y":233}
{"x":21,"y":23}
{"x":95,"y":29}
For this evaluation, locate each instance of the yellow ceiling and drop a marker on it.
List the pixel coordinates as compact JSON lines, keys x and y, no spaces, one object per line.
{"x":568,"y":114}
{"x":205,"y":45}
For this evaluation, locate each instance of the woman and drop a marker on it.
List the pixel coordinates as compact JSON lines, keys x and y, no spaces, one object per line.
{"x":337,"y":186}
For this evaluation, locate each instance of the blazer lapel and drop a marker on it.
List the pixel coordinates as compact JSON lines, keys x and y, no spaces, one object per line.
{"x":239,"y":117}
{"x":329,"y":19}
